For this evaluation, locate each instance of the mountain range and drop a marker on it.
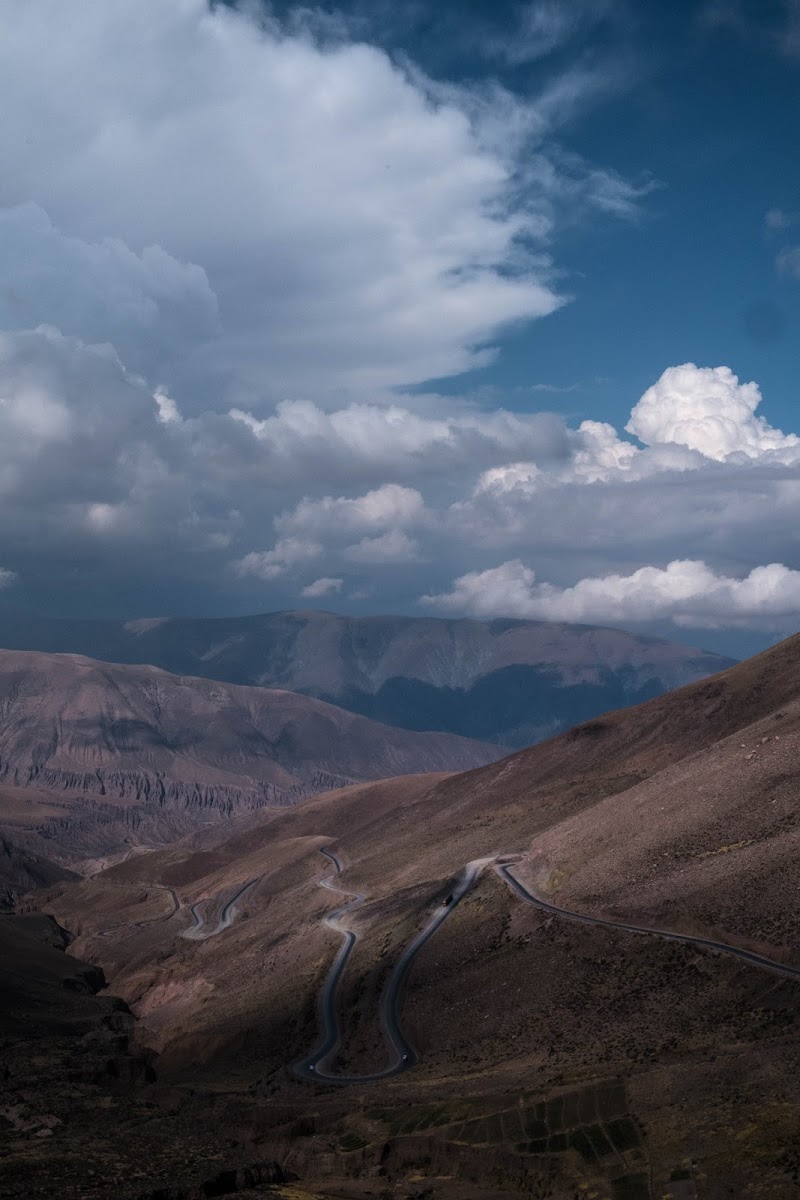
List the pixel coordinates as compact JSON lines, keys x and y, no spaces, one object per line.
{"x":504,"y":681}
{"x":606,"y":1004}
{"x":95,"y":757}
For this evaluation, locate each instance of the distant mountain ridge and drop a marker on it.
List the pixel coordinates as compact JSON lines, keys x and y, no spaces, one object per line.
{"x":511,"y":682}
{"x":120,"y":754}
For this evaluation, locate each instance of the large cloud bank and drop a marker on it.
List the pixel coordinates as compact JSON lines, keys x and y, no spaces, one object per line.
{"x":230,"y":248}
{"x":713,"y":477}
{"x":216,"y":195}
{"x":688,"y":592}
{"x":713,"y":480}
{"x":96,"y":468}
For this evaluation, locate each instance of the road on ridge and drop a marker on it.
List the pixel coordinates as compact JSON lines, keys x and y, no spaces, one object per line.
{"x":314,"y":1067}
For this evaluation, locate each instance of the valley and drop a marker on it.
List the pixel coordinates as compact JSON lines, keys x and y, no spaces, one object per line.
{"x":399,"y":600}
{"x":604,"y":998}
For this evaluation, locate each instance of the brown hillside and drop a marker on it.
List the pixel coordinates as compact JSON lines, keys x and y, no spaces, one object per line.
{"x":681,"y":814}
{"x":146,"y":756}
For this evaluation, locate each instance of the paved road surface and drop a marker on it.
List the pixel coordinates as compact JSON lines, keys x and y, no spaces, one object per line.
{"x":689,"y":939}
{"x":198,"y":930}
{"x":315,"y":1066}
{"x":176,"y":904}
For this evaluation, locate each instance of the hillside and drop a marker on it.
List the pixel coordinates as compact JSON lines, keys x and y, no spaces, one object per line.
{"x":580,"y":1058}
{"x":142,"y":755}
{"x":72,"y":1079}
{"x":506,"y":681}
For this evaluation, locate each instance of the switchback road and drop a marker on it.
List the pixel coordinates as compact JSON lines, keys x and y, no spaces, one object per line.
{"x":198,"y":930}
{"x":168,"y":891}
{"x":315,"y":1066}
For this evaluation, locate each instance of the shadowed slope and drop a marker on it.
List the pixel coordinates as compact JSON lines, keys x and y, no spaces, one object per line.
{"x":28,"y":860}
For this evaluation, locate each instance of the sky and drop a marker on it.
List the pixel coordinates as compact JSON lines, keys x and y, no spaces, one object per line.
{"x":440,"y":309}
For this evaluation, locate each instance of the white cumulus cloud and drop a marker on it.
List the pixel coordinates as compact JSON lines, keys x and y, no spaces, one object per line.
{"x":270,"y":564}
{"x":389,"y":507}
{"x":262,"y":210}
{"x":167,"y":408}
{"x":393,"y":547}
{"x":326,"y":586}
{"x":690,"y":414}
{"x":686,"y":592}
{"x":707,"y":409}
{"x":362,"y":441}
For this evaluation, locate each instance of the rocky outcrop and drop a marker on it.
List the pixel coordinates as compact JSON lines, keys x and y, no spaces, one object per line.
{"x":228,"y":1181}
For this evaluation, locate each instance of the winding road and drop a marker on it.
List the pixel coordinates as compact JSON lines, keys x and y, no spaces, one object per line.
{"x":689,"y":939}
{"x":315,"y":1066}
{"x":170,"y":891}
{"x":198,"y":930}
{"x":405,"y":1056}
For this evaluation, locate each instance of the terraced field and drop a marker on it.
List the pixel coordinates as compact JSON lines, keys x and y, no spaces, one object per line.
{"x":594,"y":1123}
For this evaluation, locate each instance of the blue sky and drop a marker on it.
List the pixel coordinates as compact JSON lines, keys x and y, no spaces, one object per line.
{"x":701,"y":101}
{"x":462,"y":310}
